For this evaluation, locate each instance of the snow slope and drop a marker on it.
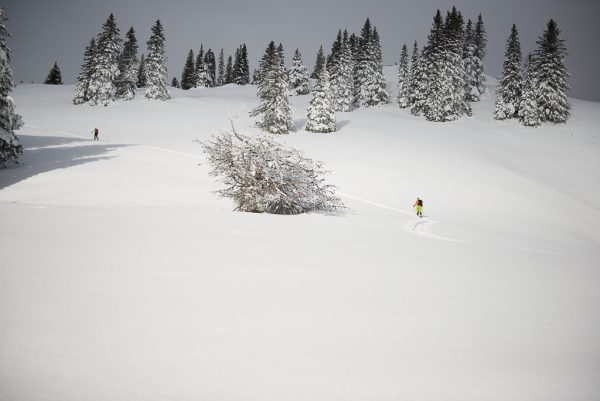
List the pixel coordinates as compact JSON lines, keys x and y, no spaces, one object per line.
{"x":123,"y":277}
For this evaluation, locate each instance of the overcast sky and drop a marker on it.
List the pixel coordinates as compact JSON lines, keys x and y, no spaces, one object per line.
{"x":44,"y":31}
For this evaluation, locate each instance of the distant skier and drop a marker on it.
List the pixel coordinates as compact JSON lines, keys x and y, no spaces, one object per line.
{"x":96,"y":134}
{"x":419,"y":207}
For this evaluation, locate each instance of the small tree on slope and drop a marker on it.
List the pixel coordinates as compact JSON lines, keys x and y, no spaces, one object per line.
{"x":263,"y":176}
{"x":54,"y":76}
{"x":156,"y":69}
{"x":188,"y":74}
{"x":321,"y":117}
{"x":529,"y":114}
{"x":298,"y":75}
{"x":510,"y":85}
{"x":10,"y":149}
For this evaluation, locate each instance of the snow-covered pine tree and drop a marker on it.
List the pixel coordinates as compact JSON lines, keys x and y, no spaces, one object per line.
{"x":244,"y":65}
{"x":480,"y":41}
{"x":10,"y":149}
{"x":200,"y":70}
{"x":211,"y":68}
{"x":364,"y":69}
{"x":345,"y":78}
{"x":142,"y":77}
{"x":471,"y":90}
{"x":126,"y":83}
{"x":256,"y":76}
{"x":229,"y":71}
{"x":188,"y":76}
{"x":105,"y":70}
{"x":378,"y":86}
{"x":298,"y":76}
{"x":156,"y":68}
{"x":235,"y":73}
{"x":273,"y":91}
{"x":54,"y":76}
{"x":509,"y":90}
{"x":454,"y":32}
{"x":337,"y":67}
{"x":529,"y":113}
{"x":403,"y":79}
{"x":83,"y":78}
{"x":321,"y":117}
{"x":416,"y":97}
{"x":319,"y":63}
{"x":552,"y":75}
{"x":175,"y":83}
{"x":221,"y":69}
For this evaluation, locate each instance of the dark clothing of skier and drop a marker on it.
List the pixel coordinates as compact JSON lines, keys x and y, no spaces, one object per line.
{"x":419,"y":207}
{"x":96,"y":134}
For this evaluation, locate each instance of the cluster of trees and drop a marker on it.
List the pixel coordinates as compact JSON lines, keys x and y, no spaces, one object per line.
{"x":350,"y":76}
{"x":205,"y":71}
{"x":537,"y":91}
{"x":447,"y":73}
{"x":111,"y":69}
{"x":10,"y":149}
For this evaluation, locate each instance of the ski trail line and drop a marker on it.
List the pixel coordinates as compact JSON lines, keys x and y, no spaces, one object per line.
{"x":418,"y":227}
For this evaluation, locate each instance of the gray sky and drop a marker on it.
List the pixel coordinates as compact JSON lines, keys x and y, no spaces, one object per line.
{"x":45,"y":31}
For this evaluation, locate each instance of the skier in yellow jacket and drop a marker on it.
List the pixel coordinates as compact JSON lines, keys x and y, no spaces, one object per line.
{"x":419,"y":207}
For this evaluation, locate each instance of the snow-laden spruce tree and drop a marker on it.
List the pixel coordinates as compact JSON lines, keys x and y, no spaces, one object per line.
{"x":83,"y":78}
{"x":341,"y":71}
{"x":298,"y":76}
{"x":127,"y":81}
{"x":255,"y":76}
{"x":54,"y":76}
{"x":469,"y":61}
{"x":416,"y":96}
{"x":551,"y":76}
{"x":480,"y":41}
{"x":241,"y":68}
{"x":10,"y":149}
{"x":510,"y":84}
{"x":156,"y":68}
{"x":403,"y":79}
{"x":142,"y":77}
{"x":211,"y":68}
{"x":105,"y":68}
{"x":319,"y":63}
{"x":175,"y":83}
{"x":188,"y":76}
{"x":229,"y":71}
{"x":365,"y":68}
{"x":378,"y":86}
{"x":321,"y":116}
{"x":529,"y":113}
{"x":454,"y":38}
{"x":221,"y":69}
{"x":263,"y":176}
{"x":200,"y":70}
{"x":273,"y":91}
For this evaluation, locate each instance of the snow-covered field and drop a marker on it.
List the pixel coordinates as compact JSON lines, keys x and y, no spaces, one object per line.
{"x":123,"y":276}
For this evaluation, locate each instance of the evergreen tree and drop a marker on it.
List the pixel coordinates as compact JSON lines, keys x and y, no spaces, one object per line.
{"x":54,"y":76}
{"x":175,"y":83}
{"x":229,"y":71}
{"x":83,"y":78}
{"x":244,"y":65}
{"x":273,"y":91}
{"x":211,"y":68}
{"x":471,"y":89}
{"x":101,"y":90}
{"x":10,"y":149}
{"x":256,"y":76}
{"x":156,"y":68}
{"x":369,"y":86}
{"x":319,"y":63}
{"x":345,"y":77}
{"x":188,"y":76}
{"x":201,"y":73}
{"x":221,"y":69}
{"x":454,"y":43}
{"x":529,"y":113}
{"x":321,"y":117}
{"x":509,"y":91}
{"x":479,"y":56}
{"x":378,"y":86}
{"x":142,"y":77}
{"x":403,"y":79}
{"x":551,"y":76}
{"x":298,"y":76}
{"x":126,"y":83}
{"x":416,"y":97}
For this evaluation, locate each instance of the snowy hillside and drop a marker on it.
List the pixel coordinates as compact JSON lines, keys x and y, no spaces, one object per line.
{"x":123,"y":276}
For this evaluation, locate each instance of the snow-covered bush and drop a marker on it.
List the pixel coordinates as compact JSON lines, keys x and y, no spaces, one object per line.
{"x":264,"y":176}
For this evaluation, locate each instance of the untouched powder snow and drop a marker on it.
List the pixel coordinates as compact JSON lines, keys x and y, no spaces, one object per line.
{"x":123,"y":276}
